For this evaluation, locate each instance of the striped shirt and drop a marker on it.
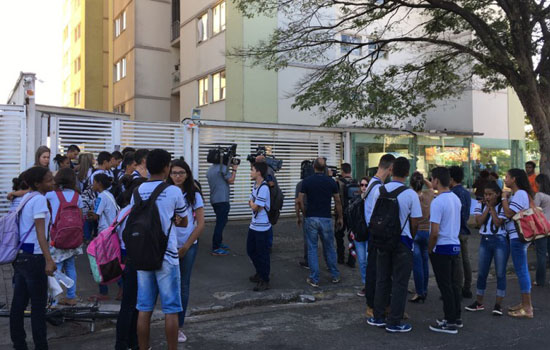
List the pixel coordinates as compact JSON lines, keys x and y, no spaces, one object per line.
{"x":488,"y":227}
{"x":518,"y":202}
{"x":260,"y":196}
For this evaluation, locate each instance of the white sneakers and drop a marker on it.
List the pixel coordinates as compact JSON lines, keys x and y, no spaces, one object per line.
{"x":181,"y":337}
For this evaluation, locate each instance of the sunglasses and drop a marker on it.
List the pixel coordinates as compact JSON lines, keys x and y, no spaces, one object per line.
{"x":363,"y":185}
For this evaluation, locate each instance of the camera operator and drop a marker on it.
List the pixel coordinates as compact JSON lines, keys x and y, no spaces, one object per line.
{"x":219,"y":179}
{"x":270,"y":177}
{"x":346,"y":186}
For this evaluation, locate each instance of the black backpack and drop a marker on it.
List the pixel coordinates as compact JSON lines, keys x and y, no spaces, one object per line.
{"x":145,"y":241}
{"x":355,"y":215}
{"x":352,"y":191}
{"x":276,"y":201}
{"x":385,"y":227}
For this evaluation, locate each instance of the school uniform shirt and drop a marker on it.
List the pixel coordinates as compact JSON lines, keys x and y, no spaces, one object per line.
{"x":518,"y":202}
{"x":369,"y":203}
{"x":445,"y":211}
{"x":36,"y":208}
{"x":169,"y":202}
{"x":86,"y":182}
{"x":260,"y":196}
{"x":106,"y":208}
{"x":15,"y":204}
{"x":122,"y":226}
{"x":109,"y":173}
{"x":488,"y":227}
{"x":409,"y":208}
{"x":183,"y":233}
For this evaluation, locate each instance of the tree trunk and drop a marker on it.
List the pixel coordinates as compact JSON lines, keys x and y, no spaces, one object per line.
{"x":544,"y":147}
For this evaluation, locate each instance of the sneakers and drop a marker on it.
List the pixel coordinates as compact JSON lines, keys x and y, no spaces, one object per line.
{"x":254,"y":278}
{"x":458,"y":323}
{"x":475,"y":306}
{"x":261,"y":286}
{"x":219,"y":252}
{"x":361,"y":293}
{"x":402,"y":328}
{"x":444,"y":327}
{"x":181,"y":337}
{"x":224,"y":246}
{"x":312,"y":283}
{"x":376,"y":322}
{"x":336,"y":280}
{"x":304,"y":264}
{"x":497,"y":310}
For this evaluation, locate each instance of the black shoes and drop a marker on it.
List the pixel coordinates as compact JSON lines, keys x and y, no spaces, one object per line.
{"x":417,"y":299}
{"x":261,"y":286}
{"x":255,"y":278}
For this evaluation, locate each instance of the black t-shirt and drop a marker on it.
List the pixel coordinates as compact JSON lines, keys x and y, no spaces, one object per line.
{"x":319,"y":189}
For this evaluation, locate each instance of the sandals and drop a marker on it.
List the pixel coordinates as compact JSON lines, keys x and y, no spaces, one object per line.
{"x":67,"y":302}
{"x":521,"y":313}
{"x":516,"y":307}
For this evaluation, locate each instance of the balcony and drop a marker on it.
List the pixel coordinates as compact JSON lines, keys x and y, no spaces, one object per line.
{"x":175,"y":30}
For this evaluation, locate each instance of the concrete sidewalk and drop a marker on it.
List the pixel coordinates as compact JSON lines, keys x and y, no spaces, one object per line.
{"x":220,"y":283}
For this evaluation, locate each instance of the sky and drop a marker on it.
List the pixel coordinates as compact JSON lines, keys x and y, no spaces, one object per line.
{"x":31,"y":41}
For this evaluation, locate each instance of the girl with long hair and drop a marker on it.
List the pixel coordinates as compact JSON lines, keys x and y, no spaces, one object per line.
{"x":489,"y":215}
{"x":182,"y":177}
{"x":542,"y":245}
{"x":522,"y":195}
{"x":42,"y":157}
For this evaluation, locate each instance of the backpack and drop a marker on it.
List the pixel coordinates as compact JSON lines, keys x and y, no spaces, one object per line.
{"x":352,"y":190}
{"x":67,"y":231}
{"x":276,"y":201}
{"x":143,"y":236}
{"x":9,"y":233}
{"x":385,"y":227}
{"x":104,"y":254}
{"x":355,"y":216}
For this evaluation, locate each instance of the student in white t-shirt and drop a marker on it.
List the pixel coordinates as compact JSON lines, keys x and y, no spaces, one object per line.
{"x":65,"y":185}
{"x":522,"y":195}
{"x":257,"y":243}
{"x":34,"y":262}
{"x":182,"y":177}
{"x":444,"y":249}
{"x":165,"y":281}
{"x":489,"y":215}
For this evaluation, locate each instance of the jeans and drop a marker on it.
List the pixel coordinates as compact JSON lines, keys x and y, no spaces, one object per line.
{"x":541,"y":246}
{"x":518,"y":251}
{"x":446,"y":269}
{"x":186,"y":265}
{"x":257,"y":248}
{"x":68,"y":267}
{"x":222,"y":212}
{"x":305,"y":241}
{"x":466,"y":269}
{"x":370,"y":275}
{"x":421,"y":269}
{"x":88,"y":230}
{"x":164,"y":282}
{"x":393,"y":270}
{"x":493,"y":246}
{"x":126,"y":324}
{"x":320,"y":227}
{"x":361,"y":251}
{"x":29,"y":283}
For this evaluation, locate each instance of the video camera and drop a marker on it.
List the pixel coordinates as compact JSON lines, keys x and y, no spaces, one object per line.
{"x":306,"y":169}
{"x":271,"y":161}
{"x":223,"y":155}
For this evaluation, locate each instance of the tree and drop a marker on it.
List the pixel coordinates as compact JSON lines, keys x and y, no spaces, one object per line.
{"x":456,"y":44}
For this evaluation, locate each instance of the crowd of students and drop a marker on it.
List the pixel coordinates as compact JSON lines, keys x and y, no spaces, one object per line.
{"x":103,"y":195}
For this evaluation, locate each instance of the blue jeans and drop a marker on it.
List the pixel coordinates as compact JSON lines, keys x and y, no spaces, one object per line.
{"x":421,"y":268}
{"x":321,"y":227}
{"x":492,"y":246}
{"x":518,"y":251}
{"x":541,"y":245}
{"x":29,"y":283}
{"x":88,"y":230}
{"x":164,"y":282}
{"x":222,"y":212}
{"x":257,"y":248}
{"x":362,"y":253}
{"x":68,"y":267}
{"x":186,"y":265}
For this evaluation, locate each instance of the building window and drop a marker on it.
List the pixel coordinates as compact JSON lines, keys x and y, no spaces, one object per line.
{"x":123,"y":73}
{"x":76,"y":98}
{"x":120,"y":109}
{"x":218,"y":85}
{"x":123,"y":20}
{"x":77,"y":65}
{"x":352,"y":40}
{"x":119,"y":69}
{"x":65,"y":33}
{"x":77,"y":32}
{"x":202,"y":28}
{"x":203,"y":91}
{"x":218,"y":21}
{"x":117,"y":27}
{"x":120,"y":24}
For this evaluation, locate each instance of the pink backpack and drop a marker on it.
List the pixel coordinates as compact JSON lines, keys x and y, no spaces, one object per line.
{"x":67,"y":231}
{"x":104,"y":254}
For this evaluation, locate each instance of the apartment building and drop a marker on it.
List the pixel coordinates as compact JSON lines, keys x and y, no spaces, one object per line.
{"x":83,"y":72}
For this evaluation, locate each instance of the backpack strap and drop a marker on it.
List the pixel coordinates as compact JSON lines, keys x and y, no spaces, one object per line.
{"x":395,"y":193}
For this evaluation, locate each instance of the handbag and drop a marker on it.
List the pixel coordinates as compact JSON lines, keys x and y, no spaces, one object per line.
{"x":531,"y":224}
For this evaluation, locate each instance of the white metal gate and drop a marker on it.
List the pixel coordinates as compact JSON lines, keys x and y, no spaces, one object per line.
{"x":12,"y":149}
{"x":292,"y":146}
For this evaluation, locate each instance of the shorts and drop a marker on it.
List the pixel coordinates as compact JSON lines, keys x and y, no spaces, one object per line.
{"x":165,"y":282}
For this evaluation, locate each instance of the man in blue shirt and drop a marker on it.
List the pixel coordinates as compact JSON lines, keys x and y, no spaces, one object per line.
{"x":320,"y":189}
{"x":457,"y":175}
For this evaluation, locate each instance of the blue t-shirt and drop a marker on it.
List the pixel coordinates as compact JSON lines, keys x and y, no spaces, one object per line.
{"x":319,"y":189}
{"x":466,"y":202}
{"x":445,"y":211}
